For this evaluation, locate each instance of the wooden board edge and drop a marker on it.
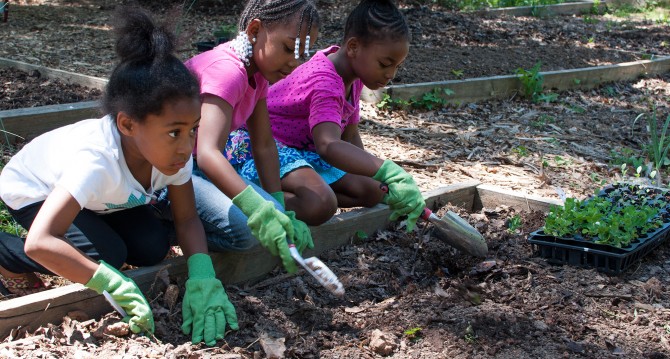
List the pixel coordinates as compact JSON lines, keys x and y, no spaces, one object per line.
{"x":489,"y":196}
{"x":66,"y":76}
{"x":27,"y":123}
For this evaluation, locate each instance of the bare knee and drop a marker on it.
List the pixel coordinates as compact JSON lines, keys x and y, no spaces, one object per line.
{"x":312,"y":207}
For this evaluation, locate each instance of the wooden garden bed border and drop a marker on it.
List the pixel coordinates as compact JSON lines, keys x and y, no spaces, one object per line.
{"x":32,"y":311}
{"x":506,"y":86}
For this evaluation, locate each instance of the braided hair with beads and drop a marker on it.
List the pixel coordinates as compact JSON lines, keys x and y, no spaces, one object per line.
{"x":282,"y":12}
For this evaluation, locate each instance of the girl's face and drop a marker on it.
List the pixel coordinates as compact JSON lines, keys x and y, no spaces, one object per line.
{"x":274,"y":50}
{"x":166,"y":140}
{"x":377,"y":63}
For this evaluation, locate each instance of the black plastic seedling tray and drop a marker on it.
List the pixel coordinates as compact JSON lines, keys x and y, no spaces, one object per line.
{"x":576,"y":251}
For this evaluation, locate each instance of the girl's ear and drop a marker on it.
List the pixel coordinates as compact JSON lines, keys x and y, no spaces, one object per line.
{"x":352,"y":46}
{"x":253,"y":28}
{"x":125,"y":123}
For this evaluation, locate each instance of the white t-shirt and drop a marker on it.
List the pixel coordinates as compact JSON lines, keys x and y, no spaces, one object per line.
{"x":86,"y":160}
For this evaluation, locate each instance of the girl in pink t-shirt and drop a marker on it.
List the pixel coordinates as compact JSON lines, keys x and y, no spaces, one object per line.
{"x":314,"y":114}
{"x":274,"y":36}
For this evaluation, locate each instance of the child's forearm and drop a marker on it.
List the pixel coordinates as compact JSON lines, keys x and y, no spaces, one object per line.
{"x":191,"y":237}
{"x":61,"y":258}
{"x":266,"y":159}
{"x":350,"y":158}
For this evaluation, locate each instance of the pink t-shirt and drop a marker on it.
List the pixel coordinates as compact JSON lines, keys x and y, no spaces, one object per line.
{"x":222,"y":74}
{"x":312,"y":94}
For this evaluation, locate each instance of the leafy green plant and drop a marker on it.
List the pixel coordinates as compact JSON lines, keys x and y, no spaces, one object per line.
{"x":659,"y":145}
{"x":532,"y":81}
{"x":457,"y":73}
{"x":389,"y":103}
{"x":514,"y":223}
{"x":543,"y":120}
{"x":413,"y":333}
{"x":615,"y":221}
{"x":628,"y":157}
{"x":521,"y":151}
{"x":430,"y":100}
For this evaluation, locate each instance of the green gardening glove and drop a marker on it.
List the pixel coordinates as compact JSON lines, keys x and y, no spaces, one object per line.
{"x":269,"y":225}
{"x":206,"y":307}
{"x":303,"y":236}
{"x":404,"y":196}
{"x":126,"y":293}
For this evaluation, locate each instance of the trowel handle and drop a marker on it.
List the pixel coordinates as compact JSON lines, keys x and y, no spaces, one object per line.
{"x":425,"y":215}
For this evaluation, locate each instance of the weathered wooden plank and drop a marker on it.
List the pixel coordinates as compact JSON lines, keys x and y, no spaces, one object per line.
{"x":34,"y":121}
{"x":505,"y":86}
{"x":575,"y":8}
{"x":489,"y":196}
{"x":65,"y":76}
{"x":50,"y":306}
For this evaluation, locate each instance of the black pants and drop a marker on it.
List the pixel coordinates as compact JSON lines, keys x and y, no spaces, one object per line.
{"x":134,"y":236}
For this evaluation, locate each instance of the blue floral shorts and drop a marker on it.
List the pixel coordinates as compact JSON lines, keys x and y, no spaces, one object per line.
{"x":238,"y":152}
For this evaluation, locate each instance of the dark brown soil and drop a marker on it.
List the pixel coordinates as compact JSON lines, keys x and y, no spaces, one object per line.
{"x":426,"y":299}
{"x":23,"y":90}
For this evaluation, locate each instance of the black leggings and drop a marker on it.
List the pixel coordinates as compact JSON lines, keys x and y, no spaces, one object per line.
{"x":134,"y":236}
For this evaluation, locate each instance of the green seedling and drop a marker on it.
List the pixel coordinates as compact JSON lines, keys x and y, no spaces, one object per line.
{"x":458,"y":73}
{"x":542,"y":121}
{"x":532,"y":81}
{"x":361,"y":235}
{"x":547,"y":98}
{"x":413,"y":333}
{"x":659,"y":144}
{"x":560,"y":161}
{"x":521,"y":151}
{"x":514,"y":223}
{"x":470,"y":336}
{"x":577,"y":81}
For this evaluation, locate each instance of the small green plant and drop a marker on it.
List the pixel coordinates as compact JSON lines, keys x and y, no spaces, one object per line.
{"x":432,"y":99}
{"x":547,"y":97}
{"x":588,"y":19}
{"x":597,"y":179}
{"x":457,"y":73}
{"x":521,"y":151}
{"x":470,"y":335}
{"x":610,"y":91}
{"x":542,"y":121}
{"x":532,"y":81}
{"x":560,"y":161}
{"x":659,"y":144}
{"x":389,"y":103}
{"x":413,"y":333}
{"x":628,"y":157}
{"x":514,"y":223}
